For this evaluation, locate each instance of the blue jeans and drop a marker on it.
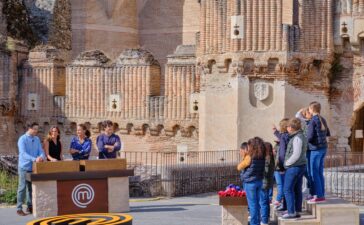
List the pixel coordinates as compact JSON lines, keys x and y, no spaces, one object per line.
{"x":317,"y":161}
{"x":280,"y":181}
{"x":264,"y":205}
{"x":308,"y":173}
{"x":293,"y":188}
{"x":24,"y":187}
{"x":253,"y":190}
{"x":270,"y":194}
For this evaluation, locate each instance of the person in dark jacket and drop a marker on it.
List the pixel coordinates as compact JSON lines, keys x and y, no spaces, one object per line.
{"x":253,"y":177}
{"x":295,"y":165}
{"x":108,"y":143}
{"x":283,"y":139}
{"x":317,"y":133}
{"x":267,"y":184}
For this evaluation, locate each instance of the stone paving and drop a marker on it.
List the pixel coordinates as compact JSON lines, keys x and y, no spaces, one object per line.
{"x":196,"y":210}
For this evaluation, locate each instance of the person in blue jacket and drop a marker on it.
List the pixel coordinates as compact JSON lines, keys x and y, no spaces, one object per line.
{"x":283,"y":137}
{"x":317,"y":133}
{"x":80,"y":148}
{"x":30,"y":151}
{"x":108,"y":143}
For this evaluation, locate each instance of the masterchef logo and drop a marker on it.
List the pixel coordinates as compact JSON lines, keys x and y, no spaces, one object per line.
{"x":83,"y":195}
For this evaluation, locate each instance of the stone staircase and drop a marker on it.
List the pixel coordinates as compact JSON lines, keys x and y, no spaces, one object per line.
{"x":334,"y":211}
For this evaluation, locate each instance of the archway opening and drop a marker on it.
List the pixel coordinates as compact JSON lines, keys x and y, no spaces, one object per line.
{"x":357,"y":131}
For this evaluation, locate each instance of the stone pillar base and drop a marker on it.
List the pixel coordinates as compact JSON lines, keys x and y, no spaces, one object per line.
{"x":45,"y":199}
{"x":234,"y":215}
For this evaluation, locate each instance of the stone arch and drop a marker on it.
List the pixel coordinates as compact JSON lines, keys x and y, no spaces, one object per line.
{"x":346,"y":43}
{"x":176,"y":130}
{"x":73,"y":127}
{"x":145,"y":129}
{"x":161,"y":130}
{"x":227,"y":64}
{"x":248,"y":65}
{"x":116,"y":127}
{"x":272,"y":64}
{"x":191,"y":131}
{"x":129,"y":127}
{"x":100,"y":126}
{"x":356,"y":139}
{"x":211,"y":64}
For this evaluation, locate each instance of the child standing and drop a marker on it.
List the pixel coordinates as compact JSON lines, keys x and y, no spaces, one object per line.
{"x":253,"y":177}
{"x":279,"y":174}
{"x":305,"y":116}
{"x":295,"y":165}
{"x":267,"y":184}
{"x":317,"y":132}
{"x":246,"y":160}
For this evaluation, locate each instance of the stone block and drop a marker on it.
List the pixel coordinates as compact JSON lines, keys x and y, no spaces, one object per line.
{"x":118,"y":194}
{"x":234,"y":215}
{"x":332,"y":213}
{"x":299,"y":222}
{"x":45,"y":199}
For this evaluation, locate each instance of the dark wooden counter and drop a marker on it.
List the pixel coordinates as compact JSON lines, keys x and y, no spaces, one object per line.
{"x":79,"y":175}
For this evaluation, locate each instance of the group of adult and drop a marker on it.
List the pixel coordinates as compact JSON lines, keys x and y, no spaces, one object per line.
{"x":300,"y":151}
{"x":31,"y":150}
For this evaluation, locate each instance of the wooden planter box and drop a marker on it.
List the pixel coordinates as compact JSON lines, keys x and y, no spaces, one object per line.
{"x":235,"y":201}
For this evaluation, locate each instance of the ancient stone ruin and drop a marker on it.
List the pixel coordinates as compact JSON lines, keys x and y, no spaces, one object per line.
{"x":202,"y":75}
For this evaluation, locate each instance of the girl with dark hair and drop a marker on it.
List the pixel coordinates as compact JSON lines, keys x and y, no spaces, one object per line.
{"x":80,"y":148}
{"x":52,"y":145}
{"x":108,"y":143}
{"x":267,"y":184}
{"x":253,"y":177}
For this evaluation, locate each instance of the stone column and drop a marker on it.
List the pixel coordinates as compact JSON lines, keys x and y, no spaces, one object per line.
{"x":267,"y":25}
{"x":118,"y":194}
{"x":127,"y":91}
{"x":202,"y":27}
{"x":279,"y":26}
{"x":45,"y":192}
{"x":274,"y":21}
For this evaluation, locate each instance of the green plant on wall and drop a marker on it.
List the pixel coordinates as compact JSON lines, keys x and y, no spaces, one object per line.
{"x":8,"y":188}
{"x":18,"y":22}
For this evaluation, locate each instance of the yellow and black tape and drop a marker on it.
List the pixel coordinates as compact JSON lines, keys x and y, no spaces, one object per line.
{"x":86,"y":219}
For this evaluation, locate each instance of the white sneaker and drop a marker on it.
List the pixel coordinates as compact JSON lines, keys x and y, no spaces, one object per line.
{"x":263,"y":224}
{"x":306,"y":191}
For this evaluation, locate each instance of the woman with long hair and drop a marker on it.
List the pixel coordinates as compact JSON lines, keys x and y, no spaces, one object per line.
{"x":80,"y":148}
{"x":52,"y":145}
{"x":253,"y":177}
